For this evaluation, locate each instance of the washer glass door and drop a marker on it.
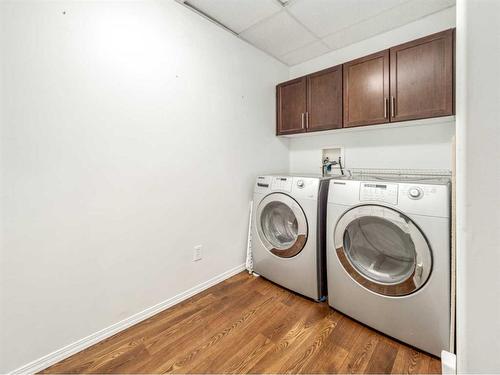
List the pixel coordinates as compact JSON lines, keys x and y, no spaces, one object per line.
{"x":282,"y":225}
{"x":383,"y":250}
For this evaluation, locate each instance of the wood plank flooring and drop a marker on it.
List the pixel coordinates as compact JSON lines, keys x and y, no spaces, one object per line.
{"x":248,"y":325}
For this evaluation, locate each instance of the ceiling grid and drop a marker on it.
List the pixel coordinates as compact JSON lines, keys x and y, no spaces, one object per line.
{"x":294,"y":31}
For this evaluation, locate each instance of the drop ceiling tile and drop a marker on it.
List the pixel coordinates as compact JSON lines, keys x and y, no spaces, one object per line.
{"x":415,"y":9}
{"x":403,"y":14}
{"x":370,"y":8}
{"x":324,"y":17}
{"x":238,"y":15}
{"x":305,"y":53}
{"x":408,"y":12}
{"x":278,"y":35}
{"x":353,"y":34}
{"x":336,"y":40}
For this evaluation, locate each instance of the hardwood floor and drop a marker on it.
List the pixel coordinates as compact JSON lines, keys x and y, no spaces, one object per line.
{"x":248,"y":325}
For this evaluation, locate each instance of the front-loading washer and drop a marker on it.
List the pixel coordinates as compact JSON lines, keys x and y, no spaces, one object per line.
{"x":388,"y":257}
{"x":289,"y":232}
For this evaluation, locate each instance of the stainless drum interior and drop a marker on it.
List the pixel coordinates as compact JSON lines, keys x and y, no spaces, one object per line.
{"x":282,"y":225}
{"x":383,"y":250}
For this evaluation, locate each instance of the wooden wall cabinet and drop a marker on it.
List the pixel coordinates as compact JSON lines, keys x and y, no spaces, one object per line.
{"x":291,"y":106}
{"x":422,"y":78}
{"x":414,"y":80}
{"x":310,"y":103}
{"x":366,"y":90}
{"x":408,"y":82}
{"x":324,"y":99}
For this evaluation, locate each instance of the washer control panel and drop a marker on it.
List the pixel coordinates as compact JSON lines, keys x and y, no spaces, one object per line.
{"x":381,"y":192}
{"x":282,"y":183}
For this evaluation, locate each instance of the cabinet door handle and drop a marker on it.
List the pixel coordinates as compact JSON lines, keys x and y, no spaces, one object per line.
{"x":393,"y":106}
{"x":302,"y":119}
{"x":386,"y":104}
{"x":307,"y":120}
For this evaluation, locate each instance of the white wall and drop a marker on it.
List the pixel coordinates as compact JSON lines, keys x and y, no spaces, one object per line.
{"x":131,"y":131}
{"x":478,"y":179}
{"x":419,"y":144}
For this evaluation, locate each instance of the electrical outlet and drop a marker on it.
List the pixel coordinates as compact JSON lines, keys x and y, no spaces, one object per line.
{"x":197,"y":253}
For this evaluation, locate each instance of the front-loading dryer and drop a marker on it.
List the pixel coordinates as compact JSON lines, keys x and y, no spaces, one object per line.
{"x":388,"y":257}
{"x":288,"y":232}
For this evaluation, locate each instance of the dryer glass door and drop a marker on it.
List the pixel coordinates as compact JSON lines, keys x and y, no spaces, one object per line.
{"x":383,"y":250}
{"x":282,"y":225}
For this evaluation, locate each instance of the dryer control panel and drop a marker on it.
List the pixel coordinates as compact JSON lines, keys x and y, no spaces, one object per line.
{"x":296,"y":186}
{"x":282,"y":183}
{"x":382,"y":192}
{"x":410,"y":198}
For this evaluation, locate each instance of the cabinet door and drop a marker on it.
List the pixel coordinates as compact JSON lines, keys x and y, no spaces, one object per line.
{"x":324,"y":100}
{"x":366,"y":90}
{"x":422,"y":78}
{"x":291,"y":106}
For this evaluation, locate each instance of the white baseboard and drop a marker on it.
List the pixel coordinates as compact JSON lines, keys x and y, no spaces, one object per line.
{"x":77,"y":346}
{"x":448,"y":363}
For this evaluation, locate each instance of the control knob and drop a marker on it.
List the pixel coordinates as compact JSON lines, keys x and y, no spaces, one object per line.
{"x":415,"y":193}
{"x":300,"y":184}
